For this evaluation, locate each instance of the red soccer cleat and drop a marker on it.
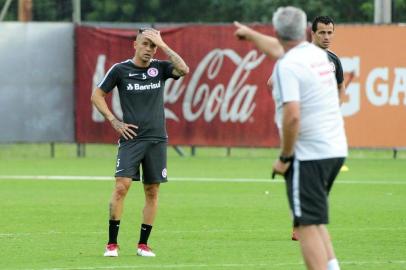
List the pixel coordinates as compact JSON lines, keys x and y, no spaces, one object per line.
{"x":144,"y":251}
{"x":111,"y":250}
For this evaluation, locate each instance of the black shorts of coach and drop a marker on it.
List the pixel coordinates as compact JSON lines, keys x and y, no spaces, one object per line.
{"x":150,"y":155}
{"x":308,"y":184}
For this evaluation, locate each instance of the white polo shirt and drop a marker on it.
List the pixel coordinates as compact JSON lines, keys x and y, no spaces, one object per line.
{"x":304,"y":75}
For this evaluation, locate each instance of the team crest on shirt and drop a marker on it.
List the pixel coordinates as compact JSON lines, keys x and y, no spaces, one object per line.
{"x":164,"y":173}
{"x":153,"y":72}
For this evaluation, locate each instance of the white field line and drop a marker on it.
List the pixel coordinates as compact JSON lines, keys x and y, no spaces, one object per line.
{"x":230,"y":265}
{"x":188,"y":179}
{"x":170,"y":266}
{"x":361,"y":229}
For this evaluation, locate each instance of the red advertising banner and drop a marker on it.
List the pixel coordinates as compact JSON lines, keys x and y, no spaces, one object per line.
{"x":223,"y":101}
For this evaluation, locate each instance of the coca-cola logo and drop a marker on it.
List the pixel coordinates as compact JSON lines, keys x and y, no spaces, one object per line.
{"x":232,"y":100}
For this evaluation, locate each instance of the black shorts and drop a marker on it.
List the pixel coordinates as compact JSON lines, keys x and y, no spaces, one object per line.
{"x":151,"y":155}
{"x":308,"y":184}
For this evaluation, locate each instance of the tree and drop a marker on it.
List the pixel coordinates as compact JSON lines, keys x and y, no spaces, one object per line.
{"x":203,"y":11}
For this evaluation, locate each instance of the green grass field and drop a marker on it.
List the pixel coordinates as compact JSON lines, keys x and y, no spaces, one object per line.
{"x":215,"y":213}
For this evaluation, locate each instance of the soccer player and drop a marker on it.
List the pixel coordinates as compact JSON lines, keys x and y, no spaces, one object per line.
{"x":311,"y":127}
{"x":322,"y":35}
{"x":143,"y":141}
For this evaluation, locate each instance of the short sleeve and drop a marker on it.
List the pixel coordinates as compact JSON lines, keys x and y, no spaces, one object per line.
{"x":110,"y":79}
{"x":288,"y":83}
{"x":167,"y":68}
{"x":339,"y":71}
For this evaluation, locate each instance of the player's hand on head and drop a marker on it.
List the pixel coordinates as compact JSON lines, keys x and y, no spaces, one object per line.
{"x":154,"y":35}
{"x":125,"y":130}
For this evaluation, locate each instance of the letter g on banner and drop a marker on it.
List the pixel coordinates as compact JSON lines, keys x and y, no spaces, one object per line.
{"x":353,"y":90}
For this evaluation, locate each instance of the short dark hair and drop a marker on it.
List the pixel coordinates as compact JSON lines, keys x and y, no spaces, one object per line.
{"x":141,"y":30}
{"x":321,"y":19}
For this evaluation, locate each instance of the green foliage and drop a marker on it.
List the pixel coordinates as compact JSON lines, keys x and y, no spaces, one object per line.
{"x":42,"y":10}
{"x":11,"y":15}
{"x":399,"y":10}
{"x":203,"y":11}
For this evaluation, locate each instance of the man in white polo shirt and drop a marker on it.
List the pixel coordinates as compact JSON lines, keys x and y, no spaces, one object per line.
{"x":313,"y":142}
{"x":322,"y":33}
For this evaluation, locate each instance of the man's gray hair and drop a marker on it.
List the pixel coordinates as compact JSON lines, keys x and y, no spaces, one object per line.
{"x":290,"y":23}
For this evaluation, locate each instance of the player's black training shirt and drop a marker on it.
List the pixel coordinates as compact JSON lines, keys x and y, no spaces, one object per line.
{"x":141,"y":93}
{"x":338,"y":68}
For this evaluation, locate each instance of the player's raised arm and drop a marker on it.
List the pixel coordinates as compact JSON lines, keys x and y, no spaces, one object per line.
{"x":266,"y":44}
{"x":180,"y":67}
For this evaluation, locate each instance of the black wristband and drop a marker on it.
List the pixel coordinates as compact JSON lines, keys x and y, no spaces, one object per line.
{"x":286,"y":159}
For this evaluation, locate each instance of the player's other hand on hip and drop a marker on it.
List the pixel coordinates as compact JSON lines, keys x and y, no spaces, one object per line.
{"x":125,"y":130}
